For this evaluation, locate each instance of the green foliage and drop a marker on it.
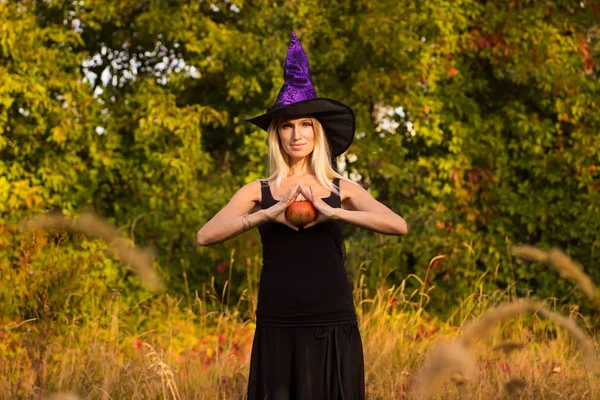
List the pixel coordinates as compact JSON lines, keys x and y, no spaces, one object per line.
{"x":476,"y":123}
{"x":50,"y":276}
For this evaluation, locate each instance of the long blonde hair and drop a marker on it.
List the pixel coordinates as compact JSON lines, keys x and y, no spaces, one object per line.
{"x":319,"y":158}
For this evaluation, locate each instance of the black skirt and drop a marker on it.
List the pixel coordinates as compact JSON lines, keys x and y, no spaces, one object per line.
{"x":307,"y":363}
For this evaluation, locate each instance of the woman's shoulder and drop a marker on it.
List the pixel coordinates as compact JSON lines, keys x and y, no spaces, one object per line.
{"x":252,"y":191}
{"x":347,"y":188}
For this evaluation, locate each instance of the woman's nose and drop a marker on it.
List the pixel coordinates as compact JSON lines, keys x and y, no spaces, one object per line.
{"x":295,"y":133}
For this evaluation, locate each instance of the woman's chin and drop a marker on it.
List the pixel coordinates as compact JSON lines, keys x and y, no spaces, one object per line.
{"x":299,"y":153}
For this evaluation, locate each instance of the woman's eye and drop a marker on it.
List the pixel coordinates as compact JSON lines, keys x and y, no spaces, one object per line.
{"x":306,"y":124}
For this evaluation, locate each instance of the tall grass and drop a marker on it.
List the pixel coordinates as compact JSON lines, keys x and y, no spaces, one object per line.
{"x":197,"y":346}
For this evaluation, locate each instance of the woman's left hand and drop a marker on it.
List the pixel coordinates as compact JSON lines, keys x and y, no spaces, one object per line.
{"x":325,"y":211}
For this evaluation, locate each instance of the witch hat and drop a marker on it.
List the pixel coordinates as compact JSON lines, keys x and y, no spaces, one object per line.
{"x":298,"y":98}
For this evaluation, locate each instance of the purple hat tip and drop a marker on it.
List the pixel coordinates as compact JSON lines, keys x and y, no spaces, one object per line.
{"x":298,"y":84}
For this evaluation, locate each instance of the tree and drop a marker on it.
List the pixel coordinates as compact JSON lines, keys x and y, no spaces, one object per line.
{"x":475,"y":122}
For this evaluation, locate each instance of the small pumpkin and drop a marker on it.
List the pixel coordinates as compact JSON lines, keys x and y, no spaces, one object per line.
{"x":300,"y":213}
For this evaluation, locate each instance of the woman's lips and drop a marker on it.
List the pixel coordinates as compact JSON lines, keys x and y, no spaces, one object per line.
{"x":297,"y":146}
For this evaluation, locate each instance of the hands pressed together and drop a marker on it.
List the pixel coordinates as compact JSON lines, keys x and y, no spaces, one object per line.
{"x":276,"y":213}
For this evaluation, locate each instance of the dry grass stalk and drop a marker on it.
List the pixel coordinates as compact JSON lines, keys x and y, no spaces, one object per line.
{"x":509,"y":347}
{"x":484,"y":325}
{"x":460,"y":379}
{"x":585,"y":344}
{"x":530,"y":253}
{"x":567,"y":268}
{"x":63,"y":396}
{"x":449,"y":360}
{"x":452,"y":359}
{"x":92,"y":225}
{"x":162,"y":369}
{"x":481,"y":328}
{"x":515,"y":386}
{"x":456,"y":358}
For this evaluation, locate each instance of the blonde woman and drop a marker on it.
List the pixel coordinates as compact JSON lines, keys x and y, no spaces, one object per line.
{"x":307,"y":344}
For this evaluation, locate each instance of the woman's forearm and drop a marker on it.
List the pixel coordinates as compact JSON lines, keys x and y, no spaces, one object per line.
{"x":222,"y":230}
{"x":386,"y":223}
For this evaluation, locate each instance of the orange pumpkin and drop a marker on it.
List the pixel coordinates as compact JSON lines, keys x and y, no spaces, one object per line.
{"x":300,"y":213}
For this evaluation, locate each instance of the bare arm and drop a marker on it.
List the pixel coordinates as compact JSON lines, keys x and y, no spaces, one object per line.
{"x":229,"y":222}
{"x":360,"y":208}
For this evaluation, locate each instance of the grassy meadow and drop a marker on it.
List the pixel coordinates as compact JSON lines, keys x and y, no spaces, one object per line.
{"x":197,"y":345}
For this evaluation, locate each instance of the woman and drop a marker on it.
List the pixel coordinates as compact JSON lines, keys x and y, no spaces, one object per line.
{"x":307,"y":344}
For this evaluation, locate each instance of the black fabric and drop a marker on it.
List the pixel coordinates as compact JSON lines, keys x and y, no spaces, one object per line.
{"x":307,"y":344}
{"x":303,"y":280}
{"x":307,"y":363}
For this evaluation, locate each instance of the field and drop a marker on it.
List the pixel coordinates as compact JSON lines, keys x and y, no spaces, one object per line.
{"x":197,"y":346}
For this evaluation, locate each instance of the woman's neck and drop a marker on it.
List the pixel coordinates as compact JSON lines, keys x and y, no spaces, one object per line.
{"x":299,"y":168}
{"x":298,"y":175}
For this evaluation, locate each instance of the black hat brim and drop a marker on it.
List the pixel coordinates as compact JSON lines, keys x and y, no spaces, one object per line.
{"x":337,"y":120}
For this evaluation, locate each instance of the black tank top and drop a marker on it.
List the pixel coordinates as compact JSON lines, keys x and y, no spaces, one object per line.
{"x":303,"y":281}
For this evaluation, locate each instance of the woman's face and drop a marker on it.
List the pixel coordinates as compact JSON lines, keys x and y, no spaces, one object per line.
{"x":297,"y":137}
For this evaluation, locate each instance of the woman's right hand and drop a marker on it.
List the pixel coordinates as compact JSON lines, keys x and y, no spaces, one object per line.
{"x":276,"y":213}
